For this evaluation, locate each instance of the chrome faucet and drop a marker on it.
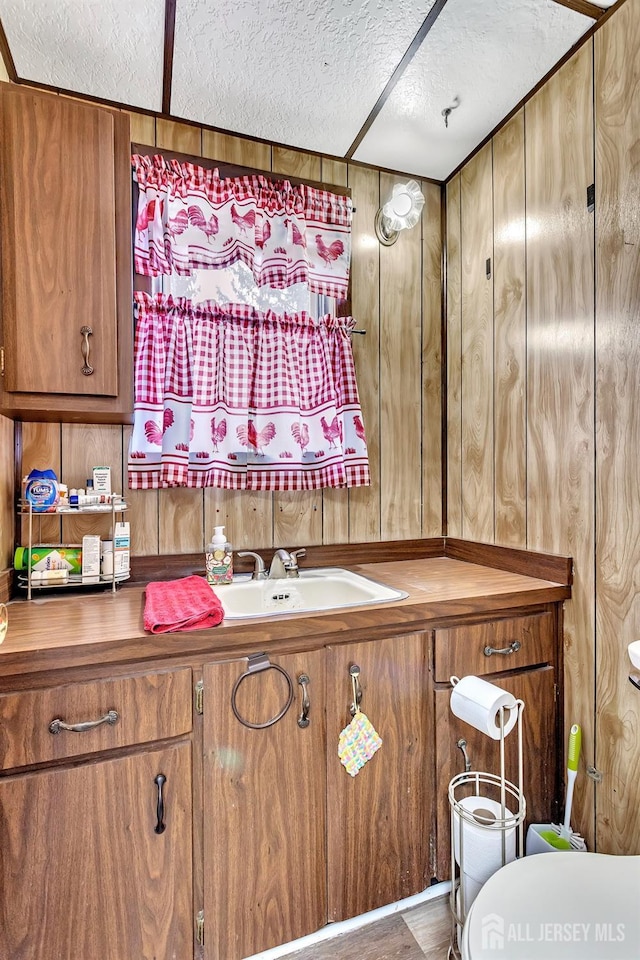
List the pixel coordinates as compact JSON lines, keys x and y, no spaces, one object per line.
{"x":285,"y":564}
{"x":259,"y":572}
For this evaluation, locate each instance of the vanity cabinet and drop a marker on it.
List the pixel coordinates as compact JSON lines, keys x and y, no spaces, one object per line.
{"x":378,"y":821}
{"x":291,"y":840}
{"x":65,"y":231}
{"x":466,"y":649}
{"x":264,"y":806}
{"x":96,"y":840}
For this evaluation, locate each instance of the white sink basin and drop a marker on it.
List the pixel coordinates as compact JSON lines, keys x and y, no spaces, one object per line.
{"x":322,"y":589}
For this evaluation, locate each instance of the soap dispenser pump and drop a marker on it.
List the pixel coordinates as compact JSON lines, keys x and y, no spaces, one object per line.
{"x":219,"y":558}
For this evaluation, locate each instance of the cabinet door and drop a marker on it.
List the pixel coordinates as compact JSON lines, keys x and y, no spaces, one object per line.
{"x":84,"y":873}
{"x":65,"y":256}
{"x":536,"y":689}
{"x":378,"y":821}
{"x":264,"y":809}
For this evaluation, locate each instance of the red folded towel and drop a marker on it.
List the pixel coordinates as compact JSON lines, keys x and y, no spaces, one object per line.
{"x":187,"y":604}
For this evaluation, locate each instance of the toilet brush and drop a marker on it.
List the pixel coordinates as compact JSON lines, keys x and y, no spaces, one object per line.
{"x":564,"y":830}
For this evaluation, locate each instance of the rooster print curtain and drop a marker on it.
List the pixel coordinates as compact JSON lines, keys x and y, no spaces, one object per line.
{"x":236,"y":398}
{"x":190,"y":218}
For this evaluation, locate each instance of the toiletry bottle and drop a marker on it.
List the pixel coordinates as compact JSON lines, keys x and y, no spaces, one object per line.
{"x":219,"y":558}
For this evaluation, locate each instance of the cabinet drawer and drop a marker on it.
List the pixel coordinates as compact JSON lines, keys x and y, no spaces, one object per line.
{"x":149,"y":707}
{"x":464,"y":650}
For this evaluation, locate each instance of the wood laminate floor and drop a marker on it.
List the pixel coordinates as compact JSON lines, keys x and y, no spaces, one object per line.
{"x":419,"y":933}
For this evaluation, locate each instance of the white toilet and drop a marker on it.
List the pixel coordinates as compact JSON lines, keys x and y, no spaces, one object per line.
{"x":557,"y":906}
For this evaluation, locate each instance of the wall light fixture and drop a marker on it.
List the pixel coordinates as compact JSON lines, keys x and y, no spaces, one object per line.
{"x":401,"y":212}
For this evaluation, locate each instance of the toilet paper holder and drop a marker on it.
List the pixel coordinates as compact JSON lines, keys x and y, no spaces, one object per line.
{"x":500,"y":826}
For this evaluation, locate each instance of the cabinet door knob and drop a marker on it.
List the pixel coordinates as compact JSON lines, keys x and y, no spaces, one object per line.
{"x":86,"y":332}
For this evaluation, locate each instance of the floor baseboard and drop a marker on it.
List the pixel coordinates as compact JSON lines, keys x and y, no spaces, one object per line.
{"x":345,"y":926}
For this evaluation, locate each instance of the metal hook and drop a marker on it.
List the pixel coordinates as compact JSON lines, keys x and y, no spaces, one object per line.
{"x":447,"y":110}
{"x":462,"y":745}
{"x":354,"y":672}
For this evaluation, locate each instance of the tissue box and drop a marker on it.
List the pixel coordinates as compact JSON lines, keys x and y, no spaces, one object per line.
{"x":91,"y":559}
{"x":121,"y":548}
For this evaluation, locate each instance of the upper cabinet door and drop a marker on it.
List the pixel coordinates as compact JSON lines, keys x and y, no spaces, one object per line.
{"x":66,"y":253}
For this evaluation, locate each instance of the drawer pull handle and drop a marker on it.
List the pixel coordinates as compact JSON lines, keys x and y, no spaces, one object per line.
{"x":303,"y":719}
{"x":86,"y":332}
{"x":57,"y":725}
{"x":160,"y":826}
{"x":512,"y":648}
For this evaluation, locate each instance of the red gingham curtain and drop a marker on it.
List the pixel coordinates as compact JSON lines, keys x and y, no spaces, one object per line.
{"x":189,"y":218}
{"x":233,"y":397}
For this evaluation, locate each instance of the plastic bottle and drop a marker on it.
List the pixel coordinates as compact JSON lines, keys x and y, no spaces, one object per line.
{"x":219,"y":558}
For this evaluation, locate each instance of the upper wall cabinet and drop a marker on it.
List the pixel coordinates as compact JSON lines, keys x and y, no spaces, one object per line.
{"x":65,"y":193}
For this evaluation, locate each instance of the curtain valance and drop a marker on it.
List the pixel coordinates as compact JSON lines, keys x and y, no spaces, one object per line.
{"x":191,"y":218}
{"x":237,"y":398}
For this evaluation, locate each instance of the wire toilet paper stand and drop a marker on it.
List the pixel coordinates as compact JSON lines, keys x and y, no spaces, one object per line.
{"x":496,"y":827}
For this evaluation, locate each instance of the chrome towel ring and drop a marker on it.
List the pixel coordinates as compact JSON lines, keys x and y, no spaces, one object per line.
{"x":258,"y":663}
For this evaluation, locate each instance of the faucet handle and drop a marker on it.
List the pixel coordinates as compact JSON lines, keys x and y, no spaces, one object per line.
{"x":258,"y":567}
{"x":297,"y":553}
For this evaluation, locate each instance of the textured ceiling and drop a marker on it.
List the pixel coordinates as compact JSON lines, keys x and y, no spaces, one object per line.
{"x":313,"y":74}
{"x":488,"y":55}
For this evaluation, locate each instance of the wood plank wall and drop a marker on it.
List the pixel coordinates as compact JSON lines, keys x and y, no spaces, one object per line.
{"x":543,"y":391}
{"x":396,"y":298}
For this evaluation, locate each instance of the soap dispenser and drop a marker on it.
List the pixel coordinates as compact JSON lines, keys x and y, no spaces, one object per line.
{"x":219,"y":558}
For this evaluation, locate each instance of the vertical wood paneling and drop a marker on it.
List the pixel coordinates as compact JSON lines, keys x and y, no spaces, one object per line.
{"x":247,"y":516}
{"x":181,"y":521}
{"x":477,"y":348}
{"x":236,"y":150}
{"x":510,"y":334}
{"x":364,"y":502}
{"x":432,"y":361}
{"x":560,"y":404}
{"x":454,"y":359}
{"x":181,"y":137}
{"x":83,"y":448}
{"x":400,"y":382}
{"x":41,"y":450}
{"x":617,"y":104}
{"x":143,"y":128}
{"x":296,"y":163}
{"x":7,"y":499}
{"x":297,"y":518}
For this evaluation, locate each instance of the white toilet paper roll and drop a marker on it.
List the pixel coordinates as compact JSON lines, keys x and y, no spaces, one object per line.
{"x":478,"y":703}
{"x":481,"y":843}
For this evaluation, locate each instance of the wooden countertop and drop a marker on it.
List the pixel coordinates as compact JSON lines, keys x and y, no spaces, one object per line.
{"x":57,"y":632}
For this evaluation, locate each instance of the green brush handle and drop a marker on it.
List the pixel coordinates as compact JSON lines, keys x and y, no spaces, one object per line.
{"x":575,"y":742}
